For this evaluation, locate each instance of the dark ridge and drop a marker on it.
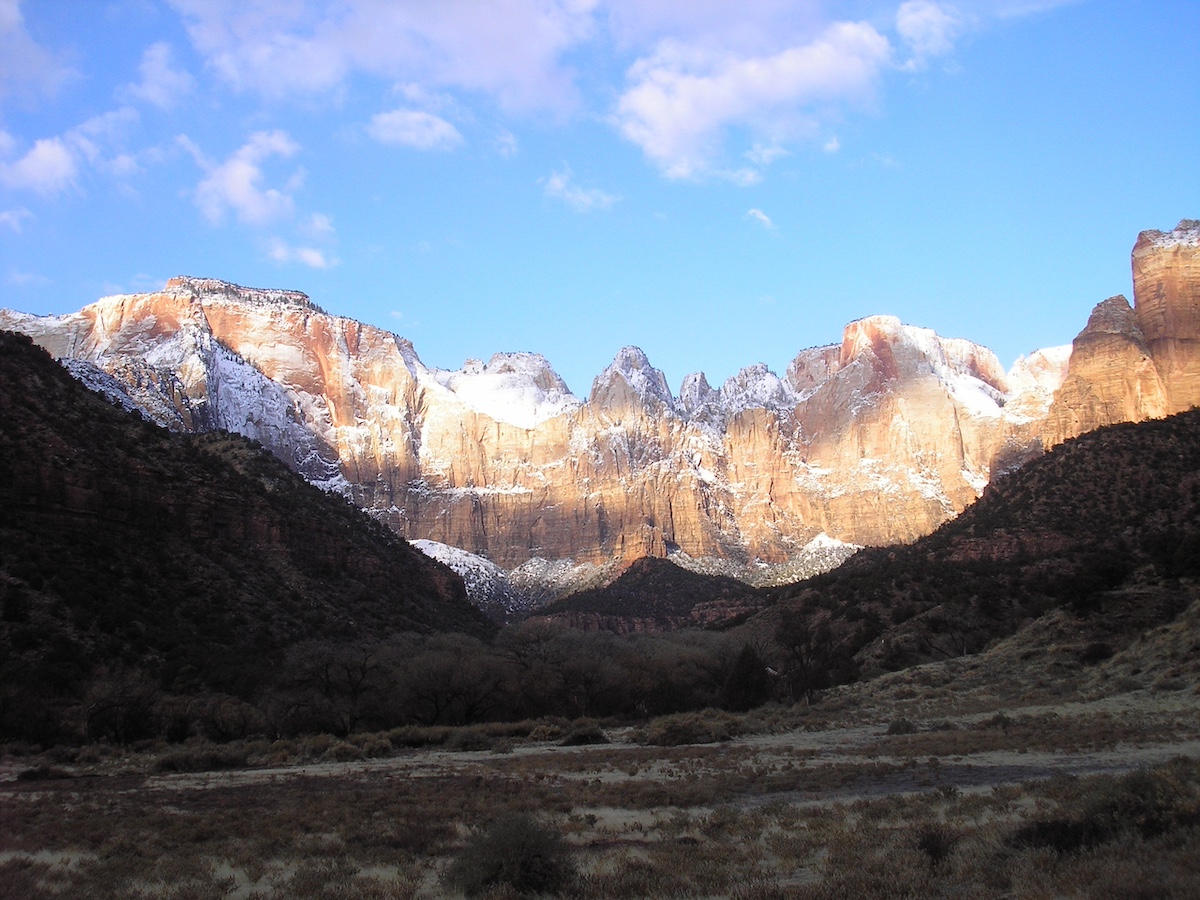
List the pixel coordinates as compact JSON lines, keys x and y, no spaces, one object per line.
{"x":652,"y":592}
{"x":196,"y":561}
{"x":1106,"y":524}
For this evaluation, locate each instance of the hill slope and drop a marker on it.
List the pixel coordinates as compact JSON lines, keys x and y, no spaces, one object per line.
{"x":1105,"y":525}
{"x":651,"y":594}
{"x":193,"y":560}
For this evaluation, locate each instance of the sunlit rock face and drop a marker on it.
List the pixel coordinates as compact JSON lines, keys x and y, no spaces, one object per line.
{"x":873,"y":440}
{"x":1142,"y":361}
{"x":1166,"y":290}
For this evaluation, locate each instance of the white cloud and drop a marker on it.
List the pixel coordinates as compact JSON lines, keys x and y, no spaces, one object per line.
{"x":414,"y":128}
{"x":318,"y":227}
{"x":759,"y":216}
{"x":27,"y":70}
{"x":282,"y":252}
{"x":12,"y":218}
{"x":48,"y":168}
{"x":54,"y":165}
{"x":561,"y":186}
{"x":747,"y":27}
{"x":23,"y":279}
{"x":102,"y":135}
{"x":833,"y":145}
{"x":237,"y":183}
{"x":928,"y":28}
{"x":741,"y":177}
{"x":683,"y":99}
{"x":161,"y":85}
{"x":511,"y":50}
{"x":506,"y":143}
{"x":763,"y":155}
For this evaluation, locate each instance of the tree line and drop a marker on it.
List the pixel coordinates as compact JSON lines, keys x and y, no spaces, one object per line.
{"x":528,"y":671}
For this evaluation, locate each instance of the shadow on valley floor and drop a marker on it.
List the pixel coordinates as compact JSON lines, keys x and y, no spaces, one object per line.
{"x":969,"y":778}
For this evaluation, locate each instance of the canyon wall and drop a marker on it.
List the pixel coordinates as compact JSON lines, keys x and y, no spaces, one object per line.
{"x":876,"y":440}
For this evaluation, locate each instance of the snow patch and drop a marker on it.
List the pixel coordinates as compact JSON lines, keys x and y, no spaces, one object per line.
{"x":516,"y":388}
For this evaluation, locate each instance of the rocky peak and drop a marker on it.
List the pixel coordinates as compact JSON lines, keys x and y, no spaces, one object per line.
{"x":1042,"y":370}
{"x":892,"y":347}
{"x":756,"y":387}
{"x":1185,"y":234}
{"x":632,"y":383}
{"x":1166,"y":282}
{"x":1166,"y":295}
{"x":696,"y":394}
{"x":521,"y":389}
{"x":1113,"y":316}
{"x":970,"y":359}
{"x":813,"y":367}
{"x":215,"y":289}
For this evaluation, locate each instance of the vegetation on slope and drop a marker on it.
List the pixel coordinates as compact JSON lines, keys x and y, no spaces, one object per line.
{"x":134,"y":560}
{"x":651,"y":593}
{"x":1105,"y":526}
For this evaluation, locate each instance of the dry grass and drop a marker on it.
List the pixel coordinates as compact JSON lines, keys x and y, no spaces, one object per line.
{"x":903,"y":787}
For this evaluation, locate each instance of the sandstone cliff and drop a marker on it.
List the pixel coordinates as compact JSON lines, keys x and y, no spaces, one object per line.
{"x":1139,"y":362}
{"x":875,"y":440}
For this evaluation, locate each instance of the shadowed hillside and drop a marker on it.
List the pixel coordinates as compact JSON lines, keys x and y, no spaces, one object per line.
{"x":1106,"y":526}
{"x":191,"y":562}
{"x":652,"y":594}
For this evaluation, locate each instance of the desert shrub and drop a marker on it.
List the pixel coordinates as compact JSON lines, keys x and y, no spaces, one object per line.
{"x":470,"y":740}
{"x":583,"y":734}
{"x":202,"y":759}
{"x":43,"y":773}
{"x":1095,"y":652}
{"x":343,"y":751}
{"x":514,"y":851}
{"x":902,"y":726}
{"x":708,"y":727}
{"x":1146,"y":803}
{"x":416,"y":736}
{"x":999,"y":720}
{"x":373,"y":746}
{"x":547,"y":731}
{"x":936,"y":841}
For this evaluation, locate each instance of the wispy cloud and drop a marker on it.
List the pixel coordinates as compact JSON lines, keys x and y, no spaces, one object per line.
{"x":25,"y":279}
{"x":54,"y":165}
{"x":681,"y":100}
{"x":162,"y":85}
{"x":318,"y":227}
{"x":762,"y":155}
{"x":767,"y":73}
{"x":12,"y":219}
{"x":414,"y":128}
{"x":928,"y":28}
{"x":237,"y":184}
{"x":759,"y":216}
{"x":47,"y":168}
{"x":27,"y":70}
{"x":506,"y":143}
{"x":281,"y":251}
{"x":513,"y":52}
{"x":561,"y":186}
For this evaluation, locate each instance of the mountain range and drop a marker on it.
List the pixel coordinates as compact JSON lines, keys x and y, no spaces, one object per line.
{"x":875,"y":440}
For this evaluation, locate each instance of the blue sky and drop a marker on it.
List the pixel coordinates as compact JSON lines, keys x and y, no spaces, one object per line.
{"x":720,"y":184}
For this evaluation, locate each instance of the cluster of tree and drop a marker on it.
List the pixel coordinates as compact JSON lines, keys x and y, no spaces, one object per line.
{"x":528,"y":671}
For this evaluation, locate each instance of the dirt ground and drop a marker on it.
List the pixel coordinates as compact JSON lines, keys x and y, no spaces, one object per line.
{"x":1004,"y":775}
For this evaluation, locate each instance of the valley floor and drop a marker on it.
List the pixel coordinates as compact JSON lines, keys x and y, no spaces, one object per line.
{"x":954,"y":779}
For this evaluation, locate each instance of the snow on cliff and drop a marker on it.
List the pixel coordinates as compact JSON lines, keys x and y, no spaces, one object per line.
{"x":518,"y":388}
